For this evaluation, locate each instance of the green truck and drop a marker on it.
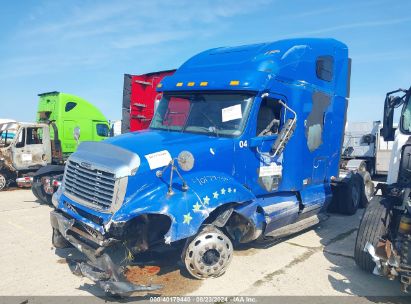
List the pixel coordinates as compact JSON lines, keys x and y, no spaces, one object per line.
{"x":35,"y":156}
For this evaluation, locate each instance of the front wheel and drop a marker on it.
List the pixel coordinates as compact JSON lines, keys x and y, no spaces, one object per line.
{"x":37,"y":188}
{"x":208,"y":254}
{"x":372,"y":228}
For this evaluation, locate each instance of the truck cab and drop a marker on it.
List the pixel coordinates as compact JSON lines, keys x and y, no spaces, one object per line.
{"x":26,"y":150}
{"x":384,"y":236}
{"x":63,"y":122}
{"x":70,"y":114}
{"x":245,"y":144}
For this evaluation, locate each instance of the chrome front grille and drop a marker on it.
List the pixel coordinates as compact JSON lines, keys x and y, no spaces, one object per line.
{"x":94,"y":187}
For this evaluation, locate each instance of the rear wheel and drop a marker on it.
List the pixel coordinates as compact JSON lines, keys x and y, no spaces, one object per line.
{"x":371,"y":229}
{"x":350,"y":195}
{"x":208,"y":254}
{"x":367,"y":190}
{"x":371,"y":168}
{"x":3,"y":181}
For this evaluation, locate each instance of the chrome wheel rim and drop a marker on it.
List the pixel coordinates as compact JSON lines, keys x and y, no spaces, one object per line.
{"x":208,"y":254}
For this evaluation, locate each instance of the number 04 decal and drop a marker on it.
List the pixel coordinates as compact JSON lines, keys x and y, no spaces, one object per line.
{"x":243,"y":143}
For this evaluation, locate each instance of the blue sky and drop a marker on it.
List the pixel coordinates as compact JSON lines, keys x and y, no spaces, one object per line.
{"x":84,"y":47}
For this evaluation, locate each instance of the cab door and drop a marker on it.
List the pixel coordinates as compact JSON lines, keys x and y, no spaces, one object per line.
{"x":32,"y":148}
{"x":264,"y":167}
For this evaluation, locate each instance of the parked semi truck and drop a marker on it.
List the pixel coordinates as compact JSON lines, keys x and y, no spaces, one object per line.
{"x":38,"y":151}
{"x":365,"y":147}
{"x":245,"y":145}
{"x":383,"y":244}
{"x":140,"y":99}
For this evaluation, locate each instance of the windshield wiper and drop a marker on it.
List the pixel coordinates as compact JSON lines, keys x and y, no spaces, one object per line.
{"x":213,"y":123}
{"x":187,"y":118}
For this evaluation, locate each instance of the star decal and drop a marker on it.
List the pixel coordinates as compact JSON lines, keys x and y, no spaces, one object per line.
{"x":187,"y":218}
{"x":215,"y":194}
{"x":196,"y":207}
{"x":206,"y":200}
{"x":223,"y":191}
{"x":229,"y":190}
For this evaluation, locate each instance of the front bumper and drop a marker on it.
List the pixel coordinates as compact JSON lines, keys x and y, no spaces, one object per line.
{"x":24,"y":182}
{"x":100,"y":267}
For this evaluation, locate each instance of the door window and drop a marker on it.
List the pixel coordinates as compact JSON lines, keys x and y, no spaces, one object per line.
{"x":325,"y":68}
{"x":34,"y":136}
{"x":102,"y":130}
{"x":268,"y":119}
{"x":21,"y":139}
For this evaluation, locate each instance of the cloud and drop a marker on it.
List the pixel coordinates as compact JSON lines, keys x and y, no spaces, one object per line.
{"x":78,"y":16}
{"x":136,"y":16}
{"x":352,"y":25}
{"x":21,"y":66}
{"x":81,"y":34}
{"x":144,"y":39}
{"x":370,"y":57}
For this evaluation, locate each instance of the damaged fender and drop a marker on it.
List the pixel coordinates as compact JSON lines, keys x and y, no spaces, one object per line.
{"x":186,"y":209}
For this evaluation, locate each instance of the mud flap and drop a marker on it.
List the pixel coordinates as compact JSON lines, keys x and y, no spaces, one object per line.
{"x":99,"y":268}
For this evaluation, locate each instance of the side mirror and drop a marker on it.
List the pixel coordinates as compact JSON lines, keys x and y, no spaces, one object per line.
{"x":368,"y":139}
{"x":76,"y":134}
{"x":387,"y":130}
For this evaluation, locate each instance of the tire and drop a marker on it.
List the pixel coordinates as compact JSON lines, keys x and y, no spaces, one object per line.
{"x":371,"y":168}
{"x":367,"y":189}
{"x":371,"y":229}
{"x":38,"y":191}
{"x":350,"y":193}
{"x":58,"y":240}
{"x":208,"y":253}
{"x":3,"y":181}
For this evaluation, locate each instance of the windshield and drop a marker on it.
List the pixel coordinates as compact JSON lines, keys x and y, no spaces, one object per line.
{"x":7,"y":133}
{"x":406,"y":117}
{"x":205,"y":113}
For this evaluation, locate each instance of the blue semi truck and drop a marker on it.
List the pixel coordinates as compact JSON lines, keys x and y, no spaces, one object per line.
{"x":245,"y":144}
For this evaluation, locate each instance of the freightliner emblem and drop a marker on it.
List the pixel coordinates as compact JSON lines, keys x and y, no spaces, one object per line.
{"x":85,"y":165}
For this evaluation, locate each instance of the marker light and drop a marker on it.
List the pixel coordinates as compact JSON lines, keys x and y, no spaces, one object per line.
{"x":203,"y":84}
{"x":191,"y":84}
{"x":234,"y":82}
{"x":159,"y":85}
{"x":179,"y":84}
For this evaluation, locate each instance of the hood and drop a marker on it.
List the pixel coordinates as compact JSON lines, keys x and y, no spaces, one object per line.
{"x":145,"y":152}
{"x":149,"y":143}
{"x":138,"y":156}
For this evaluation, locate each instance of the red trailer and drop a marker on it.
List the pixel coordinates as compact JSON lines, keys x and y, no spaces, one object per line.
{"x":139,"y":96}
